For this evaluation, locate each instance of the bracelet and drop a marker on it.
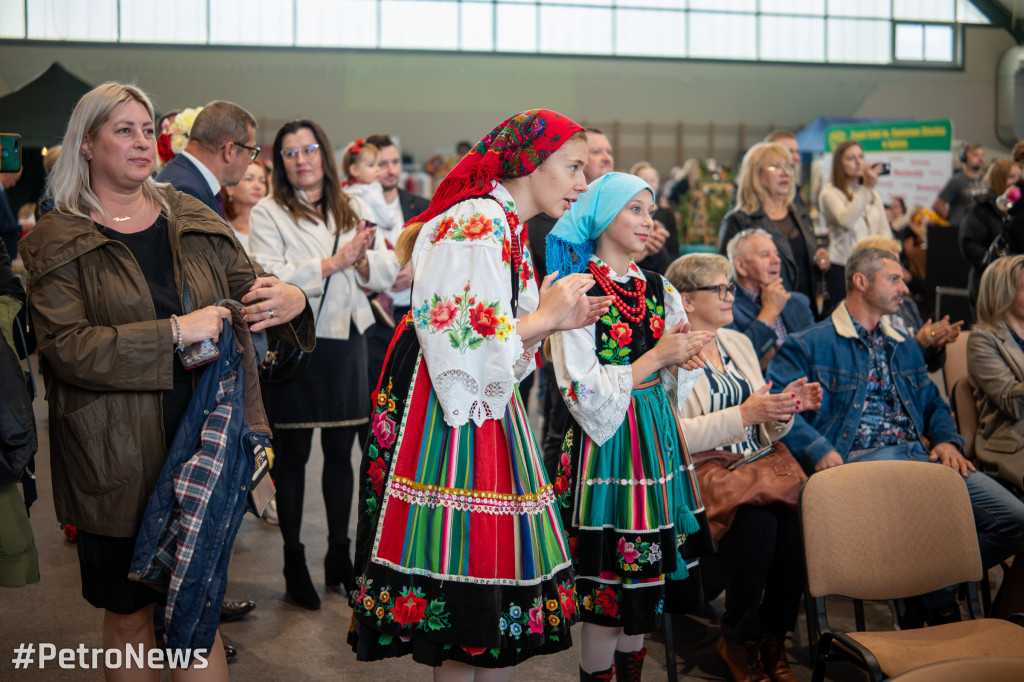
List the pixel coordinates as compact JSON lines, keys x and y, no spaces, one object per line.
{"x":176,"y":332}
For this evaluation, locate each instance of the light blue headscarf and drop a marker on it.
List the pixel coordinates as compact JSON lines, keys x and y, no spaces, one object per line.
{"x":572,"y":241}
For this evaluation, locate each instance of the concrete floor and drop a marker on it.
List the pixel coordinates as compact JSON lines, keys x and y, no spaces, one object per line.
{"x":278,"y":641}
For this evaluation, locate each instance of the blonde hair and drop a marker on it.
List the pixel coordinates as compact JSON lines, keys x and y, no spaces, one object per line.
{"x":69,"y":186}
{"x":695,"y":270}
{"x":407,"y":239}
{"x":877,"y":242}
{"x":998,"y":289}
{"x":998,"y":174}
{"x":750,"y":197}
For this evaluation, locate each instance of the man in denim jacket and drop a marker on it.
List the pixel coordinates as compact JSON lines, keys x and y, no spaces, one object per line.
{"x":879,"y":403}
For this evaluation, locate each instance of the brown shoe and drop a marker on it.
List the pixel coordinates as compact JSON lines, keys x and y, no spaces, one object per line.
{"x":773,"y":659}
{"x":742,"y":660}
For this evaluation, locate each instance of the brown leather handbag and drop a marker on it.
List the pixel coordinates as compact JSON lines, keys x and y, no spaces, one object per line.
{"x":774,"y":478}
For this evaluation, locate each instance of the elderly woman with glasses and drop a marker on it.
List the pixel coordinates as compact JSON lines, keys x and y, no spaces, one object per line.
{"x":730,"y":408}
{"x":767,"y":187}
{"x":309,"y":233}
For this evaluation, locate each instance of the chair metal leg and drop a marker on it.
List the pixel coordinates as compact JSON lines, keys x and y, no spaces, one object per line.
{"x":670,"y":650}
{"x":812,"y":634}
{"x":821,"y":657}
{"x":858,"y":615}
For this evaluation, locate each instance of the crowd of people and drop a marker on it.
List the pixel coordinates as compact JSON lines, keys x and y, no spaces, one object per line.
{"x":413,"y":327}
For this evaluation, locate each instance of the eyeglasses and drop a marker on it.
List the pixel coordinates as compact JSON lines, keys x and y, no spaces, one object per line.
{"x":309,"y":152}
{"x":789,"y":168}
{"x":724,"y":290}
{"x":253,"y":151}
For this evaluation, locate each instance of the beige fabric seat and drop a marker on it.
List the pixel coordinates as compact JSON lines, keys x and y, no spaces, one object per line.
{"x":890,"y":530}
{"x":993,"y":669}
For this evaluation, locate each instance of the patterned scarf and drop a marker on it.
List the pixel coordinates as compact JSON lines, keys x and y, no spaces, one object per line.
{"x":516,"y":147}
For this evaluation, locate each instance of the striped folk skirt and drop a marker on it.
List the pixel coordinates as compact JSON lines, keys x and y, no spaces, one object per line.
{"x":460,"y":545}
{"x":628,"y":505}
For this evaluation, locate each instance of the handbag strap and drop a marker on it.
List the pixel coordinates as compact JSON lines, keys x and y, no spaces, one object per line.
{"x":327,"y":282}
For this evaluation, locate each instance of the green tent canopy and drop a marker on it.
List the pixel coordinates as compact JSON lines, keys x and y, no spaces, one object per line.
{"x":39,"y":110}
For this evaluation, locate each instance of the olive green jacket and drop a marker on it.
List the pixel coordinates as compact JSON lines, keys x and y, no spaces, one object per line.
{"x":106,"y":359}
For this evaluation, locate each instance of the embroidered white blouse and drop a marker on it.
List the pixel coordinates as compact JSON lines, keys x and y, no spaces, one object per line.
{"x":292,"y":250}
{"x":461,"y":292}
{"x":597,"y":394}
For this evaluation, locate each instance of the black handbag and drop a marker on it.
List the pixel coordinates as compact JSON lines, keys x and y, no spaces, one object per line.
{"x":284,"y":361}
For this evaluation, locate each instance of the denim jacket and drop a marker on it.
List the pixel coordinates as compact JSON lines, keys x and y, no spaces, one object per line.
{"x":831,"y":353}
{"x":193,"y":515}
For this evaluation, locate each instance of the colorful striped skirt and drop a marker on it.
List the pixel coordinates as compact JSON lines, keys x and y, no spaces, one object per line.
{"x":628,"y":505}
{"x":460,"y":544}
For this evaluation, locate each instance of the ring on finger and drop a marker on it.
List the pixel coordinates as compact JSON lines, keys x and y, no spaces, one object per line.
{"x":272,"y":316}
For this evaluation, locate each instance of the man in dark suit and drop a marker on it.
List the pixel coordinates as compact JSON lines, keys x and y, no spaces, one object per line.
{"x":764,"y":310}
{"x":220,"y":147}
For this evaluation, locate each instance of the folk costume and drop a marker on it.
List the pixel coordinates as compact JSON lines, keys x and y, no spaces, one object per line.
{"x":624,"y":483}
{"x":460,"y":551}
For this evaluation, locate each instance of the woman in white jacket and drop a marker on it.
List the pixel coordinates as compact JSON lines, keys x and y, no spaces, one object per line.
{"x":310,"y":234}
{"x":851,"y":210}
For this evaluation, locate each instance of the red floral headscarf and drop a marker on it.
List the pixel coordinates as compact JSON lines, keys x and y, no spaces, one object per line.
{"x":516,"y":147}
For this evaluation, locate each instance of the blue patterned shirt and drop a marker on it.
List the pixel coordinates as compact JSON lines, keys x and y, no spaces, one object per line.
{"x":884,"y":420}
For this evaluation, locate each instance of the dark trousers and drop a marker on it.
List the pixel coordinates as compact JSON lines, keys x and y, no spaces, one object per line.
{"x":764,"y":575}
{"x":291,"y":450}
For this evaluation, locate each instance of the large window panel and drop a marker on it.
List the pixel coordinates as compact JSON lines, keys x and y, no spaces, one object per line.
{"x":12,"y":18}
{"x":967,"y":13}
{"x":860,"y":8}
{"x":723,"y":36}
{"x":924,"y":10}
{"x":476,"y":26}
{"x":329,"y":23}
{"x":406,"y":24}
{"x":247,"y":22}
{"x":725,"y":5}
{"x":650,"y":32}
{"x":576,"y":30}
{"x":815,"y":7}
{"x":148,"y":22}
{"x":515,"y":27}
{"x":859,"y":41}
{"x":938,"y":43}
{"x":72,"y":20}
{"x":910,"y":42}
{"x":662,"y":4}
{"x":796,"y":39}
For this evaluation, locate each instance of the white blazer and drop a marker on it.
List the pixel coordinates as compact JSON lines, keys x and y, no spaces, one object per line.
{"x":707,"y":430}
{"x":292,"y":250}
{"x":850,"y":220}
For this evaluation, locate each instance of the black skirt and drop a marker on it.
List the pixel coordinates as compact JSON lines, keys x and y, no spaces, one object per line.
{"x":334,"y":389}
{"x":104,"y":562}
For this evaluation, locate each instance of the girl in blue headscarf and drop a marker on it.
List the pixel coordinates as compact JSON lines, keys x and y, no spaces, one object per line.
{"x":627,"y":497}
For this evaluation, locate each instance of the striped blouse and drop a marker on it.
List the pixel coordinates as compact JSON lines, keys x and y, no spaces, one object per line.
{"x":728,"y":389}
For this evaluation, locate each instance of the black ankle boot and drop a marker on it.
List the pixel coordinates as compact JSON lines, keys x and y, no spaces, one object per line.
{"x":298,"y":585}
{"x":602,"y":676}
{"x":629,"y":665}
{"x":338,"y":571}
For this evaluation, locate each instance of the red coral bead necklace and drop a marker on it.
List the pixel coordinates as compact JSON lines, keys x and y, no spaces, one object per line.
{"x":633,"y":313}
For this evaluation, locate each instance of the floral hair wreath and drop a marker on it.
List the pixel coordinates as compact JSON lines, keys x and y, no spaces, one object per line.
{"x":173,"y":134}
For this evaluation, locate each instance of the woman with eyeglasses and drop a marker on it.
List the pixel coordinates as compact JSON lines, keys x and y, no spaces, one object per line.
{"x":852,"y":209}
{"x":731,"y":408}
{"x":308,"y":233}
{"x":767,"y":186}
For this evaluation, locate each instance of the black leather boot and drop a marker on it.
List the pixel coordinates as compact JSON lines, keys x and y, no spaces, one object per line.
{"x":629,"y":665}
{"x":298,"y":585}
{"x":602,"y":676}
{"x":338,"y":571}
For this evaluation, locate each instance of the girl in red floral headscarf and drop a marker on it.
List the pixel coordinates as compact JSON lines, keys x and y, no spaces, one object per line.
{"x":461,"y":556}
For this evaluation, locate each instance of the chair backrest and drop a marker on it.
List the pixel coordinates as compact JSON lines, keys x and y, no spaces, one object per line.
{"x":965,"y":412}
{"x":956,"y":362}
{"x":872,"y":530}
{"x":988,"y":669}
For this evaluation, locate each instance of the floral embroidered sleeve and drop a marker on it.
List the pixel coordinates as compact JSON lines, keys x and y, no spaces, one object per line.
{"x":678,"y":385}
{"x":597,"y":395}
{"x":461,"y":305}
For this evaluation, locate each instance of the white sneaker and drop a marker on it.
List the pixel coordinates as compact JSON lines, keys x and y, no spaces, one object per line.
{"x":270,"y":513}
